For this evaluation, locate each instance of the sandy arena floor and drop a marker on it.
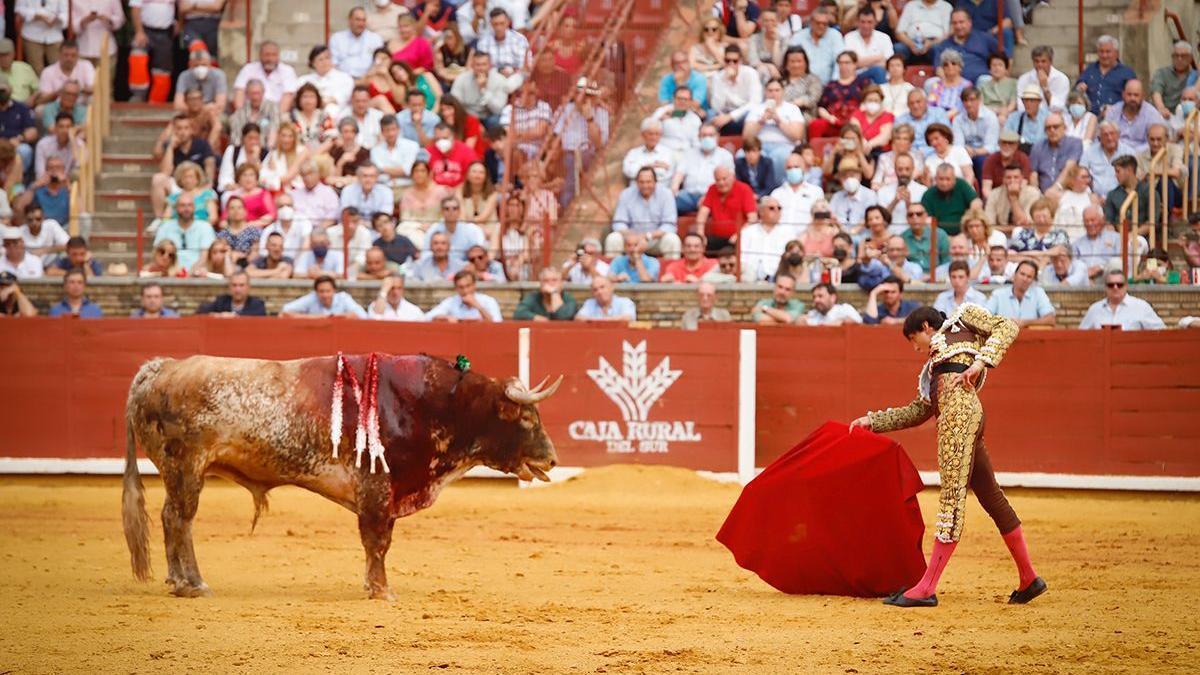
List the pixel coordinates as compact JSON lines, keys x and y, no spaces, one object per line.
{"x":616,"y":571}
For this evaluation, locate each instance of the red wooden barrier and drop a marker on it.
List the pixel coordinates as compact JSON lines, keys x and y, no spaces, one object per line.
{"x":1065,"y":402}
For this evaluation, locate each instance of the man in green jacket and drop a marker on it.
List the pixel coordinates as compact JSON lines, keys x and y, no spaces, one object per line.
{"x":950,"y":197}
{"x":549,"y":303}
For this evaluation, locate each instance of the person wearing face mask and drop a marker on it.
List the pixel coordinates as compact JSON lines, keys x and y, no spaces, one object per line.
{"x":1189,"y":100}
{"x":849,"y":205}
{"x":202,"y":76}
{"x":449,"y":157}
{"x":695,"y":173}
{"x":319,"y":260}
{"x":796,"y":196}
{"x":294,"y":228}
{"x":1081,"y":123}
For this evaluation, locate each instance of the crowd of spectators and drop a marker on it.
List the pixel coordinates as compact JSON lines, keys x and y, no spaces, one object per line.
{"x":786,"y":150}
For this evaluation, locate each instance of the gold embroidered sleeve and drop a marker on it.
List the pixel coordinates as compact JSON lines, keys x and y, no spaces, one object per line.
{"x":904,"y":417}
{"x":1000,"y":332}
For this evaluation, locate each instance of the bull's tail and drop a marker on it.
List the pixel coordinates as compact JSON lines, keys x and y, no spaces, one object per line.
{"x":133,"y":498}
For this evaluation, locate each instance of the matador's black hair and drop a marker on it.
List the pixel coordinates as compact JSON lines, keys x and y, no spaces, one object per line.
{"x":915,"y":322}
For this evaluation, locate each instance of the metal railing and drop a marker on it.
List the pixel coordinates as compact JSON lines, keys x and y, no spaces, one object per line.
{"x":96,"y":126}
{"x":1191,"y":159}
{"x":1158,"y":183}
{"x":1129,"y":232}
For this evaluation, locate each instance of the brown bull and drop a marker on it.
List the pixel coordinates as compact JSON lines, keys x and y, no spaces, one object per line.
{"x":263,"y":424}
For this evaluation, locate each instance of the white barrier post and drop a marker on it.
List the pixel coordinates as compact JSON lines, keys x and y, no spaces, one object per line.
{"x":523,"y":356}
{"x":747,"y":403}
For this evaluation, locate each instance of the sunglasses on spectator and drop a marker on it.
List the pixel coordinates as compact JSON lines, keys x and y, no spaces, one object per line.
{"x":771,"y":208}
{"x":915,"y":213}
{"x":1115,"y":284}
{"x":476,"y":258}
{"x":450,"y":207}
{"x":712,"y":29}
{"x":732,"y":60}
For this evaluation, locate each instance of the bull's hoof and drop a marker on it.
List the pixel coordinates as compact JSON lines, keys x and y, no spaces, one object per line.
{"x":381,"y":594}
{"x":189,"y":591}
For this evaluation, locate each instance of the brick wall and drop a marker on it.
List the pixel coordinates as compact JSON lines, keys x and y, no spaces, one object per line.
{"x":658,"y":304}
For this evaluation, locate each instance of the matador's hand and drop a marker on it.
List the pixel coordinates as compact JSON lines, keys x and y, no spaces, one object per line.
{"x":968,"y":377}
{"x":863,"y":422}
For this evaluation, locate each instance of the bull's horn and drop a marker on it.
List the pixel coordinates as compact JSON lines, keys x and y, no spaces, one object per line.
{"x":519,"y":394}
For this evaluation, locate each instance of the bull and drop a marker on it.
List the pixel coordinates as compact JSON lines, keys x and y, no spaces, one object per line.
{"x":262,"y":424}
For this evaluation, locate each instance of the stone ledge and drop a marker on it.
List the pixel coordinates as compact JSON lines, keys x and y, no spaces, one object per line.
{"x":658,"y":304}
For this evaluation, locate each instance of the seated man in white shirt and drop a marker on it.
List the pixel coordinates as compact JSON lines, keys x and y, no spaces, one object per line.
{"x":279,"y":78}
{"x":587,"y":263}
{"x":391,"y":305}
{"x":466,"y":304}
{"x":896,"y":195}
{"x":1118,"y":308}
{"x":394,"y":155}
{"x":694,"y":175}
{"x":826,"y":310}
{"x":354,"y":47}
{"x":1064,"y":270}
{"x":604,"y":305}
{"x":764,"y":242}
{"x":680,"y":123}
{"x":1052,"y":82}
{"x":651,"y":153}
{"x":360,"y":235}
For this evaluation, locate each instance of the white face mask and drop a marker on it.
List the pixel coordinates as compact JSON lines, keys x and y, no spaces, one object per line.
{"x":851,"y":184}
{"x":872,"y":107}
{"x":200,"y":72}
{"x":382,"y":3}
{"x":286,"y":213}
{"x":444,"y":145}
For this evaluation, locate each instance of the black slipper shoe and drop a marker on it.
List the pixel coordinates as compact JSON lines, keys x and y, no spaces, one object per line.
{"x":1034,"y":589}
{"x":898,"y":599}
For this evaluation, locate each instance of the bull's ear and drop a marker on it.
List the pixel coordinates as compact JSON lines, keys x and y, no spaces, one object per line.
{"x":508,"y":411}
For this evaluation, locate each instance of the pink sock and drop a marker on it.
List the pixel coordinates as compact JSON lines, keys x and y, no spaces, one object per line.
{"x":1015,"y":541}
{"x":927,"y":586}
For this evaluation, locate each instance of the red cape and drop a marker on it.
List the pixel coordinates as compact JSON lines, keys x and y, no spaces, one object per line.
{"x":836,"y":515}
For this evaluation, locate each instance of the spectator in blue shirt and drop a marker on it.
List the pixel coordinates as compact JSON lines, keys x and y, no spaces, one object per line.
{"x":152,"y":305}
{"x":466,"y":304}
{"x":1054,"y":154}
{"x":1023,"y":302}
{"x":649,"y":208}
{"x":975,"y":46}
{"x":985,"y":13}
{"x":416,"y":123}
{"x":324,"y":300}
{"x":886,"y":303}
{"x":77,"y":257}
{"x":682,"y":75}
{"x":49,"y":191}
{"x":17,"y":124}
{"x":821,"y":44}
{"x":367,"y":194}
{"x":75,"y":301}
{"x":604,"y":305}
{"x":635,"y":266}
{"x":1103,"y":80}
{"x":1030,"y":122}
{"x":462,"y":235}
{"x":919,"y":116}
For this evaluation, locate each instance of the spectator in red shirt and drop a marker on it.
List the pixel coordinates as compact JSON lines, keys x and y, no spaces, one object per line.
{"x":692,"y":266}
{"x":449,"y":157}
{"x":726,"y":207}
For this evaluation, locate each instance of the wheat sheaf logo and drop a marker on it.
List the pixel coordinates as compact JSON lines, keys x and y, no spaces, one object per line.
{"x":634,"y":390}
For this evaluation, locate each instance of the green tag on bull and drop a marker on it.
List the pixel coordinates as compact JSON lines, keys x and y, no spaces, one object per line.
{"x":462,"y":363}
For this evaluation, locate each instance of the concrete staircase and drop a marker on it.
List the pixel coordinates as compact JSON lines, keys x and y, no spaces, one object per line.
{"x":123,"y":185}
{"x":1057,"y":26}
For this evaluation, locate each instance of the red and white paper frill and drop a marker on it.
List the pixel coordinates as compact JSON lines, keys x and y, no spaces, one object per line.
{"x":366,"y":397}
